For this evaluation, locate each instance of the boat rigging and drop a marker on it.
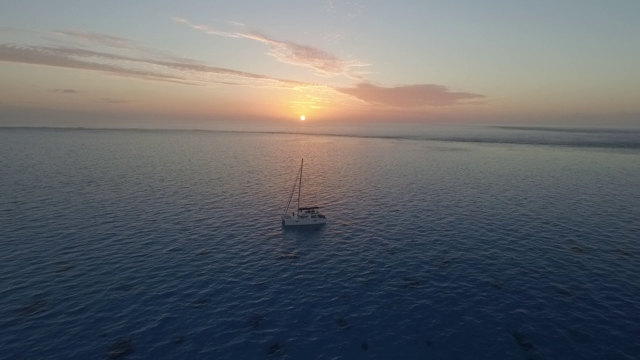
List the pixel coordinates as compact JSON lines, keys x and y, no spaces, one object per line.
{"x":309,"y":215}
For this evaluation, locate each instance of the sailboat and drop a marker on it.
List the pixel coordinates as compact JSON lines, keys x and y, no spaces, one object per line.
{"x":304,"y":215}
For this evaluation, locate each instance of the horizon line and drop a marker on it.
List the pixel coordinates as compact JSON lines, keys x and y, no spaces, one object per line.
{"x":421,"y":138}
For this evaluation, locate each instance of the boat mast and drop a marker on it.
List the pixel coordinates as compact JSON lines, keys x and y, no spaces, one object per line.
{"x":300,"y":186}
{"x":293,"y":191}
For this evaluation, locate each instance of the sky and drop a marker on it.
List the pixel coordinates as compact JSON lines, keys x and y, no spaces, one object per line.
{"x":193,"y":63}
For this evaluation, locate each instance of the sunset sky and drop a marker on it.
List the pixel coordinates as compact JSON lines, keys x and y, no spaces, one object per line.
{"x":100,"y":63}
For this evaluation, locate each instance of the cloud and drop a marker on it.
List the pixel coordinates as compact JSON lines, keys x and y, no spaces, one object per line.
{"x":206,"y":29}
{"x":102,"y":39}
{"x":116,"y":42}
{"x":235,"y":23}
{"x":325,"y":63}
{"x":64,"y":91}
{"x":187,"y":72}
{"x":303,"y":55}
{"x":72,"y":58}
{"x":408,"y":96}
{"x":113,"y":101}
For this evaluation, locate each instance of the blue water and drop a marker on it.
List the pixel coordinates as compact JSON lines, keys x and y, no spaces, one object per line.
{"x":169,"y":242}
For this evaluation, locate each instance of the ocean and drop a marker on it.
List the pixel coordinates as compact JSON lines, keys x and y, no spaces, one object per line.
{"x":442,"y":243}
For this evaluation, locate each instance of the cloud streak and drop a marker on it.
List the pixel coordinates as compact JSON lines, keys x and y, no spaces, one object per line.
{"x":102,"y":39}
{"x":75,"y":59}
{"x":116,"y":42}
{"x":324,"y":63}
{"x":408,"y":96}
{"x":148,"y":69}
{"x":113,"y":101}
{"x":64,"y":91}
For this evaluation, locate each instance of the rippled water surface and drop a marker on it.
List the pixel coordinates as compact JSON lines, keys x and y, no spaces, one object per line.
{"x":167,"y":245}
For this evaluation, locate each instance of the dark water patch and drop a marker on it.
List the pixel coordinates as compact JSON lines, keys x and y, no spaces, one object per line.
{"x":35,"y":306}
{"x":441,"y":264}
{"x":127,"y":287}
{"x":521,"y":340}
{"x":120,"y":348}
{"x":178,"y":339}
{"x":429,"y":343}
{"x":343,"y":324}
{"x":576,"y":249}
{"x":346,"y":296}
{"x":369,"y":281}
{"x":364,"y":345}
{"x":497,"y":284}
{"x":576,"y":333}
{"x":288,"y":256}
{"x":276,"y":349}
{"x":200,"y":302}
{"x":203,"y":252}
{"x":409,"y":282}
{"x":64,"y":267}
{"x":254,"y":320}
{"x":560,"y":290}
{"x":624,"y":253}
{"x":390,"y":249}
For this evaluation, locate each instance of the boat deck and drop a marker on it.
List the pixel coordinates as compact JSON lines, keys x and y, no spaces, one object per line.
{"x":304,"y":217}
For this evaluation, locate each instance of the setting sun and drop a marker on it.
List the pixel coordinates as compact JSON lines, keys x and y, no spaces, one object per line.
{"x":302,"y":117}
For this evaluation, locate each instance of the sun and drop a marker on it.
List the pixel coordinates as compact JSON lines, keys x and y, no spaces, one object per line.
{"x":302,"y":117}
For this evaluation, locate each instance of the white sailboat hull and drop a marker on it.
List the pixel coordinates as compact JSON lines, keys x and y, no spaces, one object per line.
{"x":296,"y":221}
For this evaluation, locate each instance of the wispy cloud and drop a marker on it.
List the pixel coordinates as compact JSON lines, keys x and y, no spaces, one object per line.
{"x":113,"y":101}
{"x":160,"y":70}
{"x":303,"y":55}
{"x":64,"y":91}
{"x":325,"y":63}
{"x":76,"y":59}
{"x":115,"y":42}
{"x":409,"y":95}
{"x":235,"y":23}
{"x":102,"y":39}
{"x":206,"y":29}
